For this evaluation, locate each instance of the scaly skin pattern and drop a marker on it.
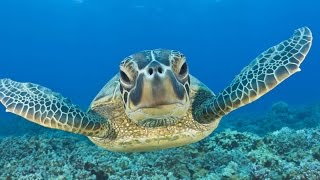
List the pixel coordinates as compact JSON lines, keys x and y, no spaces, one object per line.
{"x":263,"y":74}
{"x":47,"y":108}
{"x":131,"y":137}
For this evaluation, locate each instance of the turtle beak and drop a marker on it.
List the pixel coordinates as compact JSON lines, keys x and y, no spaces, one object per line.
{"x":158,"y":93}
{"x":157,"y":87}
{"x":161,"y":90}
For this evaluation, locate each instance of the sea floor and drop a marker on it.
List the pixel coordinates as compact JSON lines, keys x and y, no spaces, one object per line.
{"x":282,"y":144}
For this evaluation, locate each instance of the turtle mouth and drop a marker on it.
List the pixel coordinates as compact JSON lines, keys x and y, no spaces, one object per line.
{"x":158,"y":115}
{"x":160,"y":106}
{"x":158,"y":110}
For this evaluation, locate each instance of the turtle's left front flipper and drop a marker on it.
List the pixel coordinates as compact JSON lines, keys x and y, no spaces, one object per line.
{"x":47,"y":108}
{"x":264,"y":73}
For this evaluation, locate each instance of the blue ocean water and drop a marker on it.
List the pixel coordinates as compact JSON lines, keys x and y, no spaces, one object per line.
{"x":75,"y":46}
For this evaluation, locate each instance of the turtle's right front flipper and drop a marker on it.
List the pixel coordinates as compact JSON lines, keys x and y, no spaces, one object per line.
{"x":47,"y":108}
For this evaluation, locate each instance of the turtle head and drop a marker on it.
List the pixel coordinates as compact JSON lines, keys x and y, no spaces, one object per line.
{"x":155,"y":87}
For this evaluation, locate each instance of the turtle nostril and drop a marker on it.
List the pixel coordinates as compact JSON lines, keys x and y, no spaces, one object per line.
{"x":156,"y":70}
{"x":150,"y":71}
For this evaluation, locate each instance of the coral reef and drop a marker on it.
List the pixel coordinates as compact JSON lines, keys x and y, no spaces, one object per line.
{"x":287,"y":153}
{"x":280,"y":115}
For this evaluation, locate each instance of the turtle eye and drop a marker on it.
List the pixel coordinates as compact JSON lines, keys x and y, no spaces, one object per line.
{"x":183,"y":69}
{"x":124,"y":77}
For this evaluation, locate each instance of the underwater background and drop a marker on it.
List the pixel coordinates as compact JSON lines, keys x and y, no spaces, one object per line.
{"x":75,"y":46}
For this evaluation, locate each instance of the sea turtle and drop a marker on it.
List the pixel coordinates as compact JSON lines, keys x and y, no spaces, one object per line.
{"x":153,"y":102}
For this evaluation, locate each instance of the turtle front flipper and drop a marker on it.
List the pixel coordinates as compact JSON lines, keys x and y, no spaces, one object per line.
{"x":47,"y":108}
{"x":263,"y":74}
